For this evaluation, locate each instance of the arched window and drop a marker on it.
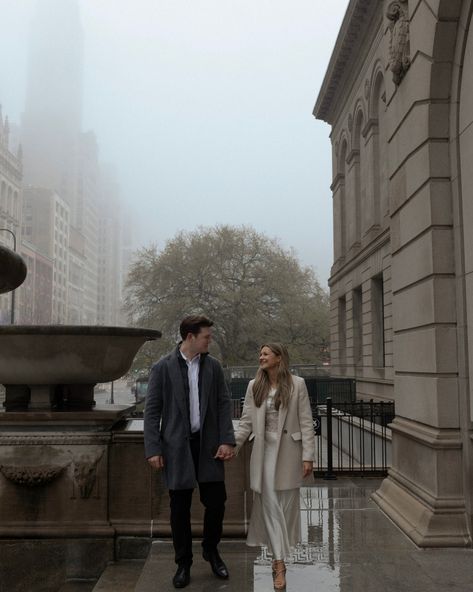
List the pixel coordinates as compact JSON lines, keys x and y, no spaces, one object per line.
{"x":339,"y":204}
{"x":380,"y":172}
{"x":356,"y":172}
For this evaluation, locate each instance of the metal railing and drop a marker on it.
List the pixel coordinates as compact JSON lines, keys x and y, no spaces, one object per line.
{"x":352,"y":438}
{"x":341,"y":390}
{"x":249,"y":372}
{"x":237,"y":406}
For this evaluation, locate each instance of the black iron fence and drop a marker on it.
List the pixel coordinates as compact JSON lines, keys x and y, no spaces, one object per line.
{"x":341,"y":390}
{"x":237,"y":406}
{"x":353,"y":437}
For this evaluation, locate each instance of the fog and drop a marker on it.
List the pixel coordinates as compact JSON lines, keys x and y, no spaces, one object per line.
{"x":204,"y":109}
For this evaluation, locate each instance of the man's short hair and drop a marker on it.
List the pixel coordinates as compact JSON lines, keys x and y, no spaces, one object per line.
{"x":193,"y":324}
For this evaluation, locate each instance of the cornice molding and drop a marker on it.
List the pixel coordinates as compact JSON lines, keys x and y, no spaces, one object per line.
{"x":356,"y":21}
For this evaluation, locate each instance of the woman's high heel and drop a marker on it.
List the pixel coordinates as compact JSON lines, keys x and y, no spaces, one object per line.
{"x":279,"y":575}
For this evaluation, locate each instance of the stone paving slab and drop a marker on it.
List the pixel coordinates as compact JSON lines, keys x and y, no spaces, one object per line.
{"x":349,"y":545}
{"x":160,"y":568}
{"x":120,"y":577}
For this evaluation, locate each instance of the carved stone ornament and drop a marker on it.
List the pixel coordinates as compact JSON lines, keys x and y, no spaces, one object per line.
{"x":367,"y":89}
{"x":399,"y":60}
{"x":31,"y":476}
{"x":350,"y":122}
{"x":85,"y":474}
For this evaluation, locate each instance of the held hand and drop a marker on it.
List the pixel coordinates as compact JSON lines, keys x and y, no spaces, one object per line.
{"x":157,"y":462}
{"x":225,"y":452}
{"x":307,"y":468}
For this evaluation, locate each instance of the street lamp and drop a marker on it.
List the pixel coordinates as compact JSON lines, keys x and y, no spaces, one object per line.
{"x":13,"y":291}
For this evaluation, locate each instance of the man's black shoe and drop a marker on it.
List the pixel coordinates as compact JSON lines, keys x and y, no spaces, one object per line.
{"x":216,"y":563}
{"x":182,"y":576}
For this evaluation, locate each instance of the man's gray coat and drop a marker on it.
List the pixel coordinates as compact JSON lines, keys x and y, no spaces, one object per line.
{"x":167,"y":425}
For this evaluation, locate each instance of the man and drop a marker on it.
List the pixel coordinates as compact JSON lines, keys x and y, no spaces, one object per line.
{"x":188,"y":434}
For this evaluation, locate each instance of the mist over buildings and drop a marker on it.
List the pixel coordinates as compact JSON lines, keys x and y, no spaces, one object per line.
{"x":193,"y":109}
{"x":60,"y":202}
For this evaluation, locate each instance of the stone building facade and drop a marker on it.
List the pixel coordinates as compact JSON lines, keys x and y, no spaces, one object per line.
{"x":398,"y":94}
{"x":11,"y":171}
{"x":35,"y":295}
{"x":47,"y":226}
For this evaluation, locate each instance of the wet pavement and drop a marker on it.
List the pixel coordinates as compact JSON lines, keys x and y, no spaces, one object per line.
{"x":348,"y":545}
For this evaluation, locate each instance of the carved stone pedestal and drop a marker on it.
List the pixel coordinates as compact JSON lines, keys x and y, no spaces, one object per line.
{"x":76,"y":485}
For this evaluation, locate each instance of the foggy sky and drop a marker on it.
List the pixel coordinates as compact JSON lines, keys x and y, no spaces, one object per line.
{"x":205,"y":110}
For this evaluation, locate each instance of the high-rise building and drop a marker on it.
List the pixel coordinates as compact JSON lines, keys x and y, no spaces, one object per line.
{"x":35,"y":295}
{"x":59,"y":156}
{"x":109,"y":290}
{"x":77,"y":267}
{"x":127,"y":249}
{"x":85,"y":219}
{"x":46,"y":224}
{"x":10,"y":203}
{"x":53,"y":110}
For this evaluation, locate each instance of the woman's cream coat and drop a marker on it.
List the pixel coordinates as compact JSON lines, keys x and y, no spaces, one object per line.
{"x":296,"y":441}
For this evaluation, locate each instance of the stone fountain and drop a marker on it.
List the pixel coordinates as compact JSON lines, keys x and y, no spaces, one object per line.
{"x":58,"y":459}
{"x":75,"y":489}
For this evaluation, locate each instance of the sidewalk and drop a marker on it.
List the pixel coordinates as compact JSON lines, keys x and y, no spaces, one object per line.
{"x":348,"y":546}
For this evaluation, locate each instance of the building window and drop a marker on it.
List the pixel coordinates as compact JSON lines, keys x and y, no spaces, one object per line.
{"x":357,"y":326}
{"x":342,"y":331}
{"x":377,"y":321}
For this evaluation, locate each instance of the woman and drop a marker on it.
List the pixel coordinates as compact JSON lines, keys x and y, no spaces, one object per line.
{"x":278,"y":416}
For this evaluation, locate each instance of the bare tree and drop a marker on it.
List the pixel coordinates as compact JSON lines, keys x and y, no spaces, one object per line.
{"x":252,"y":288}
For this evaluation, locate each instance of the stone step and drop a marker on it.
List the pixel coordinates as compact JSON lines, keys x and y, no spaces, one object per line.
{"x":119,"y":577}
{"x":159,"y":568}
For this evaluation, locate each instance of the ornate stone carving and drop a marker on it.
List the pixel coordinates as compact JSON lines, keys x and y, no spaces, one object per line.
{"x":85,"y":474}
{"x":32,"y":439}
{"x":350,"y":122}
{"x":31,"y":476}
{"x":399,"y":60}
{"x":367,"y":89}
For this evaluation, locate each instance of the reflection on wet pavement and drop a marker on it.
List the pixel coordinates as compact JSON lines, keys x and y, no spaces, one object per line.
{"x":348,"y":545}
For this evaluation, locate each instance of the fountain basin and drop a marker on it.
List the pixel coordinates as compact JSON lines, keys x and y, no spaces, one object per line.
{"x":58,"y":365}
{"x":13,"y":270}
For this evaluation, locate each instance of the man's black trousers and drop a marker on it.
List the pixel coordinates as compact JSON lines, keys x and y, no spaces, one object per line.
{"x":212,"y":496}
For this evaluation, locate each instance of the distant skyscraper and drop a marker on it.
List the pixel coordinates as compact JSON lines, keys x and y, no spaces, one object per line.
{"x":10,"y":202}
{"x":60,"y":157}
{"x":53,"y":110}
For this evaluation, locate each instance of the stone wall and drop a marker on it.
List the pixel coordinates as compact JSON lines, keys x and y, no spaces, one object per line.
{"x":73,"y":500}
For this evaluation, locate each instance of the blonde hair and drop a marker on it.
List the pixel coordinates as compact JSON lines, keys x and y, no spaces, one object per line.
{"x":262,"y":385}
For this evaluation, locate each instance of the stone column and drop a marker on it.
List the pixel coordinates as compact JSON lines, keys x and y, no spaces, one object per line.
{"x":339,"y":227}
{"x":371,"y":204}
{"x":353,"y":203}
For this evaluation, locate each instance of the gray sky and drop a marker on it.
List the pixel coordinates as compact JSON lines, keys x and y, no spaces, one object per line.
{"x":205,"y":109}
